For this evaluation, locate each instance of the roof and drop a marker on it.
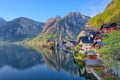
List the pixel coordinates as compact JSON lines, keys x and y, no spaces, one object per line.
{"x":86,"y":39}
{"x":92,"y":62}
{"x":74,"y":42}
{"x":94,"y":32}
{"x":108,"y":25}
{"x":113,"y":24}
{"x":91,"y":53}
{"x":98,"y":36}
{"x":63,"y":42}
{"x":98,"y":42}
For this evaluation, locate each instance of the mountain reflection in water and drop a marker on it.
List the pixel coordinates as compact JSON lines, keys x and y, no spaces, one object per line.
{"x":18,"y":57}
{"x":25,"y":63}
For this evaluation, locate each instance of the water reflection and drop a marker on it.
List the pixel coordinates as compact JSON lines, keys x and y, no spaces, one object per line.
{"x":36,"y":63}
{"x":57,"y":59}
{"x":21,"y":63}
{"x":83,"y":72}
{"x":18,"y":57}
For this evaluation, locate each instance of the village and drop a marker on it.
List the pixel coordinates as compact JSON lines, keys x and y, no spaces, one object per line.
{"x":84,"y":49}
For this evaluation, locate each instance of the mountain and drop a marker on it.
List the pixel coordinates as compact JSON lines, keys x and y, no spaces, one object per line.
{"x":68,"y":26}
{"x":110,"y":14}
{"x":2,"y":22}
{"x":19,"y":29}
{"x":50,"y":22}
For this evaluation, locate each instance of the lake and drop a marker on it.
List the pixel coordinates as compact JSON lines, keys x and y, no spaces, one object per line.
{"x":25,"y":63}
{"x":36,"y":63}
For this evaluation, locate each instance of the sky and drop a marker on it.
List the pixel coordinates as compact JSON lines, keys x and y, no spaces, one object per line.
{"x":42,"y":10}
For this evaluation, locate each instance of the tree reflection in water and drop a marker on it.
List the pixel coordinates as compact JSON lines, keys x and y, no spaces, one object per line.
{"x":22,"y":58}
{"x":58,"y":59}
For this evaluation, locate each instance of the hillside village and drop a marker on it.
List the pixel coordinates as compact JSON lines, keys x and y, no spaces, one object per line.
{"x":89,"y":42}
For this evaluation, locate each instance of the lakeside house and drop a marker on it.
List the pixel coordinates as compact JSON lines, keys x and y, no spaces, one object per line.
{"x":97,"y":45}
{"x":107,"y":28}
{"x":93,"y":62}
{"x":87,"y":37}
{"x":86,"y":41}
{"x":96,"y":36}
{"x":92,"y":55}
{"x":85,"y":44}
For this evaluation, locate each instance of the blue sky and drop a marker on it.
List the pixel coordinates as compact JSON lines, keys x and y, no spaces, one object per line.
{"x":42,"y":10}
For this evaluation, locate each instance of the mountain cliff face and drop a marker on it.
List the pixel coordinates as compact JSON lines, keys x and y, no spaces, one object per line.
{"x":110,"y":14}
{"x":50,"y":23}
{"x":68,"y":26}
{"x":19,"y":29}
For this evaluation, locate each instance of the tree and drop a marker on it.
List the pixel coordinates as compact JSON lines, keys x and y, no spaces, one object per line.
{"x":111,"y":44}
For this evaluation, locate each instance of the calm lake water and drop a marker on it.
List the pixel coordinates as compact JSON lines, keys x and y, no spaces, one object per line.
{"x":24,"y":63}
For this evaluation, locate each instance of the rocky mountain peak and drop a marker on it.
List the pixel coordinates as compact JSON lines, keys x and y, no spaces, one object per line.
{"x":20,"y":29}
{"x":72,"y":14}
{"x":57,"y":17}
{"x":50,"y":22}
{"x":54,"y":18}
{"x":2,"y":22}
{"x":1,"y":19}
{"x":76,"y":15}
{"x":69,"y":26}
{"x":24,"y":19}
